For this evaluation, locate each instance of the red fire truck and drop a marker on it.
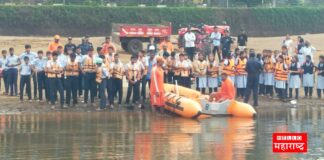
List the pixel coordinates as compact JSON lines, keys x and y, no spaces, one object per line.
{"x":132,"y":36}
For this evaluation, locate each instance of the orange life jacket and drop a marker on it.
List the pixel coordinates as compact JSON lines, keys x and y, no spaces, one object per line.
{"x":133,"y":70}
{"x":117,"y":70}
{"x":287,"y":60}
{"x":201,"y":67}
{"x":89,"y":65}
{"x":281,"y":72}
{"x":99,"y":75}
{"x":268,"y":65}
{"x":240,"y":67}
{"x":212,"y":69}
{"x":54,"y":67}
{"x":182,"y":72}
{"x":229,"y":68}
{"x":72,"y":69}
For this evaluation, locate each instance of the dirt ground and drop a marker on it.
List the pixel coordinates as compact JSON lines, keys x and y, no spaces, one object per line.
{"x":9,"y":105}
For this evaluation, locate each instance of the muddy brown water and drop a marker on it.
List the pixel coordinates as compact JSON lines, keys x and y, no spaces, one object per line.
{"x":141,"y":134}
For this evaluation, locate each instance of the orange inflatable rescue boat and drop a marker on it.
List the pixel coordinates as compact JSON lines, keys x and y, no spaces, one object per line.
{"x":189,"y":103}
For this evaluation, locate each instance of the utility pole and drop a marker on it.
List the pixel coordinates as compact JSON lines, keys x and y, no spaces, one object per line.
{"x":226,"y":3}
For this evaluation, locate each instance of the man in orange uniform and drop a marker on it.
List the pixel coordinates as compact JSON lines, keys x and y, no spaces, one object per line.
{"x":156,"y":88}
{"x":108,"y":44}
{"x":53,"y":45}
{"x":227,"y":90}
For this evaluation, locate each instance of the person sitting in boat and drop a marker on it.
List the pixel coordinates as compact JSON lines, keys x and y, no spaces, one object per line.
{"x":227,"y":90}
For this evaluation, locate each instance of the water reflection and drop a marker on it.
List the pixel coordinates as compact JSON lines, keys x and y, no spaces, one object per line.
{"x":145,"y":135}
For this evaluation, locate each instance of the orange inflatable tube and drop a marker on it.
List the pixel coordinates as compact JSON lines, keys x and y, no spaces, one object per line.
{"x":239,"y":109}
{"x":182,"y":106}
{"x":182,"y":91}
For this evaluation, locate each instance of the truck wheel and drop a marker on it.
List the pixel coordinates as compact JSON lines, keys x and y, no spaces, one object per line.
{"x":134,"y":46}
{"x":124,"y":46}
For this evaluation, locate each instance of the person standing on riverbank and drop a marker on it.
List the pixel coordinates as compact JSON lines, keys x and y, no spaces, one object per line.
{"x":53,"y":45}
{"x":190,"y":39}
{"x":157,"y":88}
{"x":25,"y":73}
{"x":85,"y":45}
{"x":89,"y":70}
{"x":216,"y":38}
{"x":117,"y":69}
{"x":54,"y":73}
{"x":308,"y":76}
{"x":12,"y":63}
{"x":226,"y":43}
{"x":38,"y":67}
{"x":70,"y":45}
{"x":253,"y":68}
{"x":72,"y":70}
{"x":294,"y":77}
{"x":133,"y":75}
{"x":106,"y":45}
{"x":32,"y":56}
{"x":5,"y":74}
{"x":320,"y":76}
{"x":242,"y":40}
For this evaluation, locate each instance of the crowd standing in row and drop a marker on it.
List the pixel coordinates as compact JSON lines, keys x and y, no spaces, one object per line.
{"x":74,"y":71}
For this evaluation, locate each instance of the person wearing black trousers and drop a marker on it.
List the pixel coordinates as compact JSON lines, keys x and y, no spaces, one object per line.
{"x":117,"y":69}
{"x":308,"y":76}
{"x":89,"y":70}
{"x":253,"y":69}
{"x":72,"y":73}
{"x":133,"y":76}
{"x":25,"y":72}
{"x":38,"y":67}
{"x":54,"y":73}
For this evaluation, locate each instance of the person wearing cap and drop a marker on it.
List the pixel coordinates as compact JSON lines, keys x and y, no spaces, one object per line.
{"x":133,"y":76}
{"x":117,"y":71}
{"x":102,"y":75}
{"x":89,"y":71}
{"x":85,"y":45}
{"x":166,"y":45}
{"x":72,"y":71}
{"x":152,"y":45}
{"x":226,"y":42}
{"x":53,"y":45}
{"x":32,"y":56}
{"x":150,"y":62}
{"x":107,"y":44}
{"x":156,"y":87}
{"x":54,"y":72}
{"x":190,"y":39}
{"x":70,"y":45}
{"x":38,"y":68}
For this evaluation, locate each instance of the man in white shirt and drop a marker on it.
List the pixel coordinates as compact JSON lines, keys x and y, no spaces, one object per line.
{"x":12,"y":64}
{"x":215,"y":37}
{"x":32,"y":56}
{"x":288,"y":43}
{"x":308,"y":49}
{"x":190,"y":39}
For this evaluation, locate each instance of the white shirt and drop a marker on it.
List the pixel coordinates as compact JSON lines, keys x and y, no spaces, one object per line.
{"x":190,"y":39}
{"x":287,"y":42}
{"x":184,"y":63}
{"x":12,"y":60}
{"x":310,"y":50}
{"x":31,"y":55}
{"x":3,"y":63}
{"x":25,"y":69}
{"x":105,"y":73}
{"x":63,"y":59}
{"x":216,"y":37}
{"x":51,"y":62}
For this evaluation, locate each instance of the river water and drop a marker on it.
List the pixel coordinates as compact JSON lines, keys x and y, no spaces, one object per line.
{"x":145,"y":135}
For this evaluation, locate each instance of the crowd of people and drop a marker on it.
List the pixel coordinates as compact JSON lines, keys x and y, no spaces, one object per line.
{"x":74,"y":71}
